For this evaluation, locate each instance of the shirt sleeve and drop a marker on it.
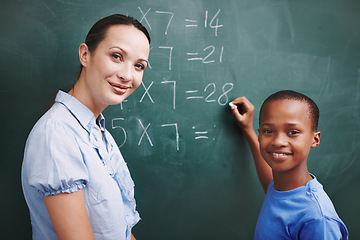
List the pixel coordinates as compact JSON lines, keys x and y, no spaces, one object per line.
{"x":324,"y":228}
{"x":54,"y":161}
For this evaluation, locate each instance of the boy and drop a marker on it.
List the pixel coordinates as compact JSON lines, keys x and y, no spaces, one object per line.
{"x":295,"y":205}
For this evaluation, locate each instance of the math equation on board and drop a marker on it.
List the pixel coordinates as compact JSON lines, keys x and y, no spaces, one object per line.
{"x":210,"y":93}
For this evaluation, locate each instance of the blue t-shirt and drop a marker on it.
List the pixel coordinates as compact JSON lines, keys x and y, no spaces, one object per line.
{"x":302,"y":213}
{"x":65,"y":152}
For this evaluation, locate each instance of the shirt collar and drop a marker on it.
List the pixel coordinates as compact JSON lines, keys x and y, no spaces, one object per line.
{"x":83,"y":114}
{"x":101,"y":121}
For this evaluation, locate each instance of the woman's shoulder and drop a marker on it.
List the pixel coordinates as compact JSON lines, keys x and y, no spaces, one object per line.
{"x":58,"y":116}
{"x":53,"y":146}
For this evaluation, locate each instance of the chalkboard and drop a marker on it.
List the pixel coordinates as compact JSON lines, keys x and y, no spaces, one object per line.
{"x":193,"y":170}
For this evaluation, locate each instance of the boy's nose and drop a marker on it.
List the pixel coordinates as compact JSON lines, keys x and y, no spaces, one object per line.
{"x":279,"y":140}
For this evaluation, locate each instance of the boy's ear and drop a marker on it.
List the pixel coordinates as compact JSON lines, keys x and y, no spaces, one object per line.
{"x":83,"y":54}
{"x":316,"y":140}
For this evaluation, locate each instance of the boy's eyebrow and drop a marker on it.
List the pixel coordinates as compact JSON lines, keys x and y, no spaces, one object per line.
{"x":287,"y":124}
{"x":292,"y":124}
{"x":266,"y":124}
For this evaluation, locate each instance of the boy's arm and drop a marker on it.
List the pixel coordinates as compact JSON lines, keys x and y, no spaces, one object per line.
{"x":244,"y":112}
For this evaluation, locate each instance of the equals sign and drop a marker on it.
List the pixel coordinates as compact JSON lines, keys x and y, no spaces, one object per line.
{"x":199,"y":135}
{"x":192,"y":23}
{"x":191,"y":92}
{"x":193,"y":58}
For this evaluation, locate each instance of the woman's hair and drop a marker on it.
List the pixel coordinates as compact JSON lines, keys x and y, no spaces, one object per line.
{"x":98,"y":30}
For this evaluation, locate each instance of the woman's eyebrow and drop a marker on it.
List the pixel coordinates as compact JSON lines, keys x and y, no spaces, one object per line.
{"x":125,"y":53}
{"x":144,"y":60}
{"x":119,"y":49}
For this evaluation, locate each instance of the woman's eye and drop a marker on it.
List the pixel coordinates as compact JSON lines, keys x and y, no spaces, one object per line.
{"x":140,"y":66}
{"x":116,"y":56}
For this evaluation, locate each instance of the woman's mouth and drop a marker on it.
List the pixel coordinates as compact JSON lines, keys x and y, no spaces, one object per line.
{"x":119,"y":88}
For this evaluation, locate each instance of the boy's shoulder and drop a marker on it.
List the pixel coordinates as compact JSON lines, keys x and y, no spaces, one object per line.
{"x":288,"y":212}
{"x":310,"y":198}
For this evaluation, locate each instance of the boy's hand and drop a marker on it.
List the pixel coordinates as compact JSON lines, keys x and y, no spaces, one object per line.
{"x":243,"y":112}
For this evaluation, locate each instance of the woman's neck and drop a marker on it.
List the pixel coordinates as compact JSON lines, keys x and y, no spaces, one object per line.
{"x":79,"y":92}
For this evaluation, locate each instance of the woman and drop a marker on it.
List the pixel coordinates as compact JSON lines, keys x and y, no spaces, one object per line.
{"x":75,"y":181}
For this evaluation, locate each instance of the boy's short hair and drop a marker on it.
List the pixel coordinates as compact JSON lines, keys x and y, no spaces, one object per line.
{"x":292,"y":95}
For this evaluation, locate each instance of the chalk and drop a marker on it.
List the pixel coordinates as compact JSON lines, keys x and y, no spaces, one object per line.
{"x":233,"y":106}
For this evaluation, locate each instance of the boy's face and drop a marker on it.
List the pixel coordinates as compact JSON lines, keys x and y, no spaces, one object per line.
{"x":286,"y":135}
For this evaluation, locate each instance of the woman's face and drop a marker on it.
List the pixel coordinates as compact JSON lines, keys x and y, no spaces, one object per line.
{"x":115,"y":69}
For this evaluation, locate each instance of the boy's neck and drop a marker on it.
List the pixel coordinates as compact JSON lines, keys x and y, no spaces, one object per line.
{"x":290,"y":180}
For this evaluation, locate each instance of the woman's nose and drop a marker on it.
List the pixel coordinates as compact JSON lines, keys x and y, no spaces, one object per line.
{"x":125,"y":72}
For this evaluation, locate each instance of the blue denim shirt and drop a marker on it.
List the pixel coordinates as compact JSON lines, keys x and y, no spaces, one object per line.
{"x":65,"y":152}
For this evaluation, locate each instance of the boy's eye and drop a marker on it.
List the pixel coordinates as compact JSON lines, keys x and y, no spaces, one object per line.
{"x":294,"y":132}
{"x":267,"y":131}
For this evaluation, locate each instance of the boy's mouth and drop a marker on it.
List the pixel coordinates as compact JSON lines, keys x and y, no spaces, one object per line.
{"x":280,"y":154}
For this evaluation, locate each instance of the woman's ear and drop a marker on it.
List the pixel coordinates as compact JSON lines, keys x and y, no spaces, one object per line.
{"x":83,"y":54}
{"x":316,"y":139}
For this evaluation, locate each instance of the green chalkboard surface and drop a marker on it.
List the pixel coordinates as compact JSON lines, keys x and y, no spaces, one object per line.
{"x":193,"y":170}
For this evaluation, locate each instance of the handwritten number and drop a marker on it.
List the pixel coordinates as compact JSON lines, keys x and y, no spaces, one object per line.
{"x":171,"y":17}
{"x":211,"y":93}
{"x":211,"y":52}
{"x":114,"y":126}
{"x":214,"y":23}
{"x":224,"y":94}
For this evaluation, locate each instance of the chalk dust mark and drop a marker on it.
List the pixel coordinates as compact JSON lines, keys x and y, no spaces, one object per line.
{"x":48,"y":8}
{"x":290,"y":23}
{"x":326,"y":80}
{"x":358,"y":89}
